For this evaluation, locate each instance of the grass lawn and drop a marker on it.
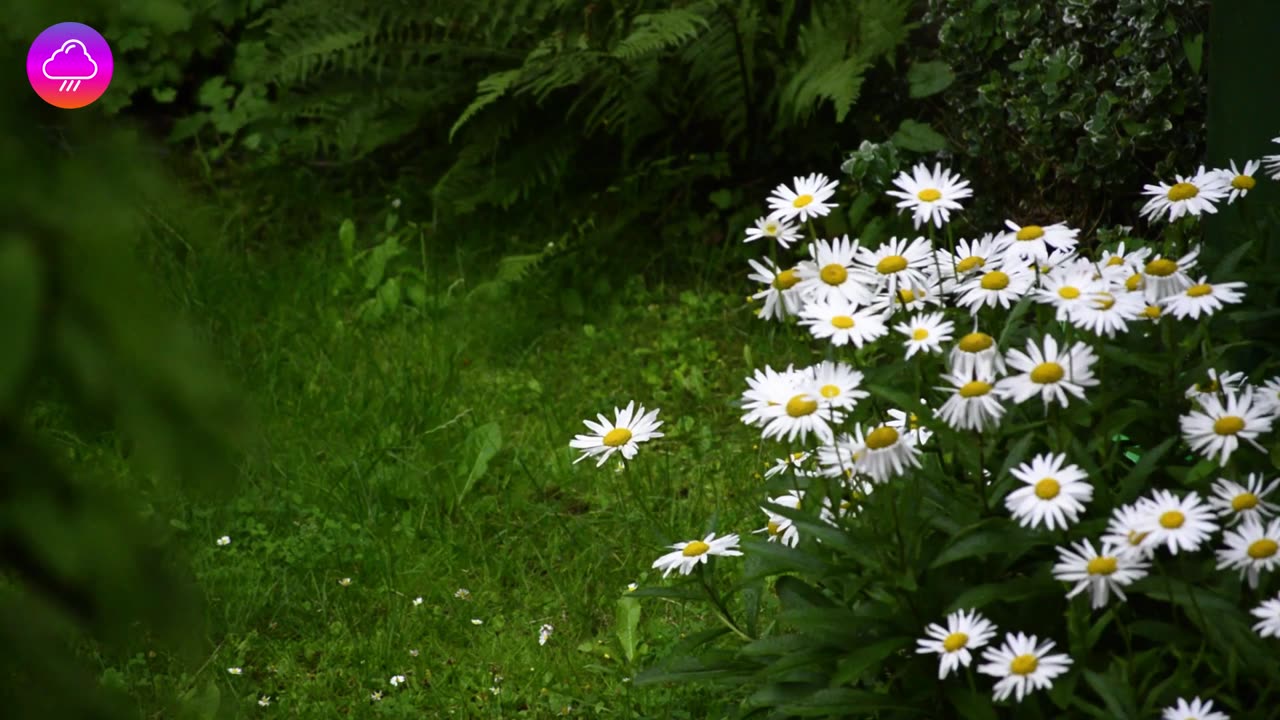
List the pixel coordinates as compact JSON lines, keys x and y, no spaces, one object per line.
{"x":428,"y":454}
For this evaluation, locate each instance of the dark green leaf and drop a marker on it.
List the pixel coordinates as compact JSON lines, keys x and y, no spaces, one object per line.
{"x":918,"y":137}
{"x":1134,"y":481}
{"x":991,"y":537}
{"x":627,"y":620}
{"x":929,"y":78}
{"x":861,"y":659}
{"x":970,"y":704}
{"x":1114,"y":692}
{"x":796,"y":594}
{"x":842,"y":702}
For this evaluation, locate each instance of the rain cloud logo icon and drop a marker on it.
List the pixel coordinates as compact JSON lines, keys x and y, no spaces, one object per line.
{"x":71,"y":64}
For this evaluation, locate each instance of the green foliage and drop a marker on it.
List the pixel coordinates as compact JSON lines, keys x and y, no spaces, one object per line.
{"x":1072,"y":101}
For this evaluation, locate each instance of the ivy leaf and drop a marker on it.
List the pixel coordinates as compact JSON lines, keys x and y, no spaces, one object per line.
{"x":918,"y":137}
{"x":929,"y":78}
{"x":1194,"y":48}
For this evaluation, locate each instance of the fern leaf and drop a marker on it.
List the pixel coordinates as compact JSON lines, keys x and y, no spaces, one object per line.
{"x":655,"y":32}
{"x":490,"y":89}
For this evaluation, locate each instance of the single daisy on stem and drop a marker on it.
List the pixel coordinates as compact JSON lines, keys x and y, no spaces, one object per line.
{"x":1252,"y":548}
{"x":1190,"y":195}
{"x":1051,"y":373}
{"x":1053,"y":493}
{"x":807,"y":200}
{"x":1178,"y":523}
{"x":1197,"y":709}
{"x":1101,"y":573}
{"x":925,"y":333}
{"x":689,"y":555}
{"x":965,"y":631}
{"x":1022,"y":664}
{"x":775,"y":228}
{"x":1222,"y":421}
{"x":931,"y":196}
{"x":630,"y":427}
{"x":1236,"y":502}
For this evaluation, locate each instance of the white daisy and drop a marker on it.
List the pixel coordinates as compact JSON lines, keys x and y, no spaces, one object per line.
{"x":793,"y":463}
{"x":884,"y":452}
{"x":396,"y":680}
{"x":976,"y":354}
{"x":1239,"y":182}
{"x":1023,"y":664}
{"x":782,"y":299}
{"x":264,"y":701}
{"x":839,"y":458}
{"x":1267,"y":395}
{"x":964,"y":632}
{"x":1240,"y":502}
{"x":690,"y":554}
{"x":767,"y":389}
{"x":1252,"y":548}
{"x":781,"y":231}
{"x":1004,"y":287}
{"x":780,"y":529}
{"x":911,"y":299}
{"x":1163,"y":277}
{"x":1107,"y":313}
{"x":235,"y":671}
{"x":1216,"y":428}
{"x":1272,"y":163}
{"x":1099,"y":572}
{"x":629,"y":428}
{"x":807,"y":200}
{"x":1033,"y":243}
{"x":1049,"y":373}
{"x":802,"y":415}
{"x":1268,"y":614}
{"x":838,"y":384}
{"x":544,"y":634}
{"x":909,"y":423}
{"x":1053,"y":492}
{"x":1125,"y":530}
{"x":1067,"y":290}
{"x":925,"y":333}
{"x":1214,"y":383}
{"x":1205,"y":298}
{"x":1190,"y":195}
{"x":841,"y":322}
{"x":1119,"y":264}
{"x":896,"y":264}
{"x":972,"y":404}
{"x":1177,"y":523}
{"x":224,"y":541}
{"x":462,"y":594}
{"x":830,"y":276}
{"x":970,"y":256}
{"x":1197,"y":709}
{"x":930,"y":195}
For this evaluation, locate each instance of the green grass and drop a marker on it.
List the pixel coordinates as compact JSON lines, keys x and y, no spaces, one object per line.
{"x":429,"y":453}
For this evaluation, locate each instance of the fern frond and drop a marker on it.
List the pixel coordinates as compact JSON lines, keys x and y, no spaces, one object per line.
{"x":490,"y":89}
{"x":656,"y":32}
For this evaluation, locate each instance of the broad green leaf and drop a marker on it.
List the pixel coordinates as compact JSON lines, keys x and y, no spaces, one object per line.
{"x":992,"y":537}
{"x":1193,"y":48}
{"x":1114,"y":692}
{"x":797,"y":594}
{"x":970,"y":704}
{"x":20,"y":290}
{"x":389,"y":295}
{"x":858,"y":661}
{"x":929,"y":78}
{"x":627,"y":619}
{"x":842,"y":702}
{"x":1009,"y":592}
{"x":783,"y":558}
{"x":483,"y":443}
{"x":918,"y":137}
{"x":1133,"y":482}
{"x":776,"y":645}
{"x":347,"y":238}
{"x":711,"y":666}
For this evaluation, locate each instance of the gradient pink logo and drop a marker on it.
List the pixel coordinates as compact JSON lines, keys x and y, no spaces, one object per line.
{"x":69,"y":65}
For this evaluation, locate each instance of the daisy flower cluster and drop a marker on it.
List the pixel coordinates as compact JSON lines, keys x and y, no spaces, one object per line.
{"x":1003,"y":330}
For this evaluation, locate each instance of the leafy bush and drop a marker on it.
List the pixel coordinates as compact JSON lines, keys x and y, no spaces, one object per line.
{"x":1094,"y":431}
{"x":1072,"y":103}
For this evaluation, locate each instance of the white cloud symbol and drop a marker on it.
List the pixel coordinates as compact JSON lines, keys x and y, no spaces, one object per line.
{"x":70,"y":69}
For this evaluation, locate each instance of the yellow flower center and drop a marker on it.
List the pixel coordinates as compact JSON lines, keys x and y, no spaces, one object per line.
{"x":844,"y":322}
{"x":833,"y":274}
{"x":891,"y":265}
{"x":1183,"y":191}
{"x":974,"y":388}
{"x":919,"y":334}
{"x":1136,"y":538}
{"x":773,"y":528}
{"x":1104,"y":300}
{"x":1115,"y":260}
{"x":1228,"y":425}
{"x":802,"y":201}
{"x":1263,"y":549}
{"x":829,"y":391}
{"x":1133,"y":282}
{"x":1199,"y":290}
{"x":929,"y":194}
{"x":617,"y":437}
{"x":1047,"y":373}
{"x":1243,"y":182}
{"x":1048,"y":489}
{"x":1172,"y":520}
{"x":1067,"y":292}
{"x":1030,"y":232}
{"x":786,"y":279}
{"x":969,"y":263}
{"x":976,"y":342}
{"x":995,"y":280}
{"x":1104,"y":565}
{"x":954,"y":641}
{"x":1162,"y":267}
{"x":695,"y":548}
{"x":1151,"y":312}
{"x":881,"y":438}
{"x":801,"y":405}
{"x":771,"y":228}
{"x":1244,"y":501}
{"x":1024,"y":665}
{"x":907,"y":296}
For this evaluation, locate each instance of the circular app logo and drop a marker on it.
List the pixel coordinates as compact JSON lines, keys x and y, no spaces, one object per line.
{"x":69,"y":65}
